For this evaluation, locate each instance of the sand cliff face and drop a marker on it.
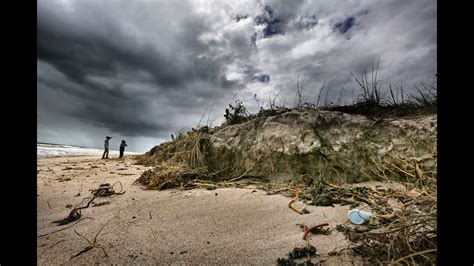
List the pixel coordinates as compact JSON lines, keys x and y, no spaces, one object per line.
{"x":316,"y":144}
{"x":332,"y":145}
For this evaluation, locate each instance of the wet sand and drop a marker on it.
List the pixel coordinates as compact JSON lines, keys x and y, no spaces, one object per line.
{"x":149,"y":227}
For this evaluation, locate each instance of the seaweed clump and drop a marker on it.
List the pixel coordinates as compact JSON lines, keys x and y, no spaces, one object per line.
{"x":298,"y":253}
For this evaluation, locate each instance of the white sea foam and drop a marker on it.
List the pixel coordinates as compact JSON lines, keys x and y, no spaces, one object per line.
{"x":55,"y":150}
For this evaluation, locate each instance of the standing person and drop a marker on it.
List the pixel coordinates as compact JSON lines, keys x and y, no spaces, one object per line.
{"x":106,"y":148}
{"x":122,"y":148}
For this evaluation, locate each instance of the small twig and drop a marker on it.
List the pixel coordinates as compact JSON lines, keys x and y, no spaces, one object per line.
{"x":414,"y":254}
{"x":153,"y":233}
{"x":215,"y":173}
{"x":64,"y":228}
{"x":401,"y":170}
{"x":399,"y":228}
{"x":93,"y":244}
{"x":363,"y":199}
{"x":82,"y":251}
{"x":307,"y":230}
{"x":57,"y":243}
{"x":83,"y":237}
{"x":53,"y":172}
{"x":95,"y":238}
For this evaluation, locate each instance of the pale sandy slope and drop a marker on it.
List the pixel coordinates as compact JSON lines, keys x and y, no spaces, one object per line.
{"x":223,"y":226}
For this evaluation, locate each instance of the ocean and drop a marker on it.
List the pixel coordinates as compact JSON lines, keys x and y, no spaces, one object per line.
{"x":55,"y":150}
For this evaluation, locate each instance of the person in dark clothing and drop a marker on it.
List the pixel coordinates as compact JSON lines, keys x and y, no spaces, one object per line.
{"x":122,"y":148}
{"x":106,"y":148}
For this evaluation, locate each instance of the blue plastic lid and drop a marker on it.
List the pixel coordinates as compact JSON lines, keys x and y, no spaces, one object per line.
{"x":356,"y":217}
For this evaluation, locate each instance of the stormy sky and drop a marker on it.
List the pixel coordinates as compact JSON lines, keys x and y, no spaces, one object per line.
{"x":143,"y":70}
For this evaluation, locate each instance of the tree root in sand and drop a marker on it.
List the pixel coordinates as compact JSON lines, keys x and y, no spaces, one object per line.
{"x":104,"y":190}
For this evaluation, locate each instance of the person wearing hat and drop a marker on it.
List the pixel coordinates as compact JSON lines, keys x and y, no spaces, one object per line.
{"x":106,"y":148}
{"x":122,"y":148}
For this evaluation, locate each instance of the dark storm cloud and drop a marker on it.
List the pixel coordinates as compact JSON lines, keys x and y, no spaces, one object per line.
{"x":78,"y":54}
{"x":273,"y":24}
{"x":345,"y":25}
{"x":149,"y":68}
{"x":122,"y":80}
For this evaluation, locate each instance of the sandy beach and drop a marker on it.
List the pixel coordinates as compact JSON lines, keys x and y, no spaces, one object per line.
{"x":222,"y":226}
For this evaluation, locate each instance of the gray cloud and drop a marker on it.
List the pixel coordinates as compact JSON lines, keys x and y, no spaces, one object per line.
{"x":143,"y":70}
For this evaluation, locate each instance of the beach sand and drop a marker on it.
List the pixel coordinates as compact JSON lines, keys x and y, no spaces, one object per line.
{"x":222,"y":226}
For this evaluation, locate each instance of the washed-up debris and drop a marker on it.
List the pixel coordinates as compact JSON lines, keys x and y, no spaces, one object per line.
{"x":315,"y":230}
{"x":358,"y":216}
{"x":104,"y":190}
{"x":100,"y":203}
{"x":328,"y":194}
{"x":407,"y":234}
{"x":170,"y":176}
{"x":302,"y":211}
{"x":298,"y":253}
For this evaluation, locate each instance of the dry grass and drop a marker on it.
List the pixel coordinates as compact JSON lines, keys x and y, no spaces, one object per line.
{"x":403,"y":234}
